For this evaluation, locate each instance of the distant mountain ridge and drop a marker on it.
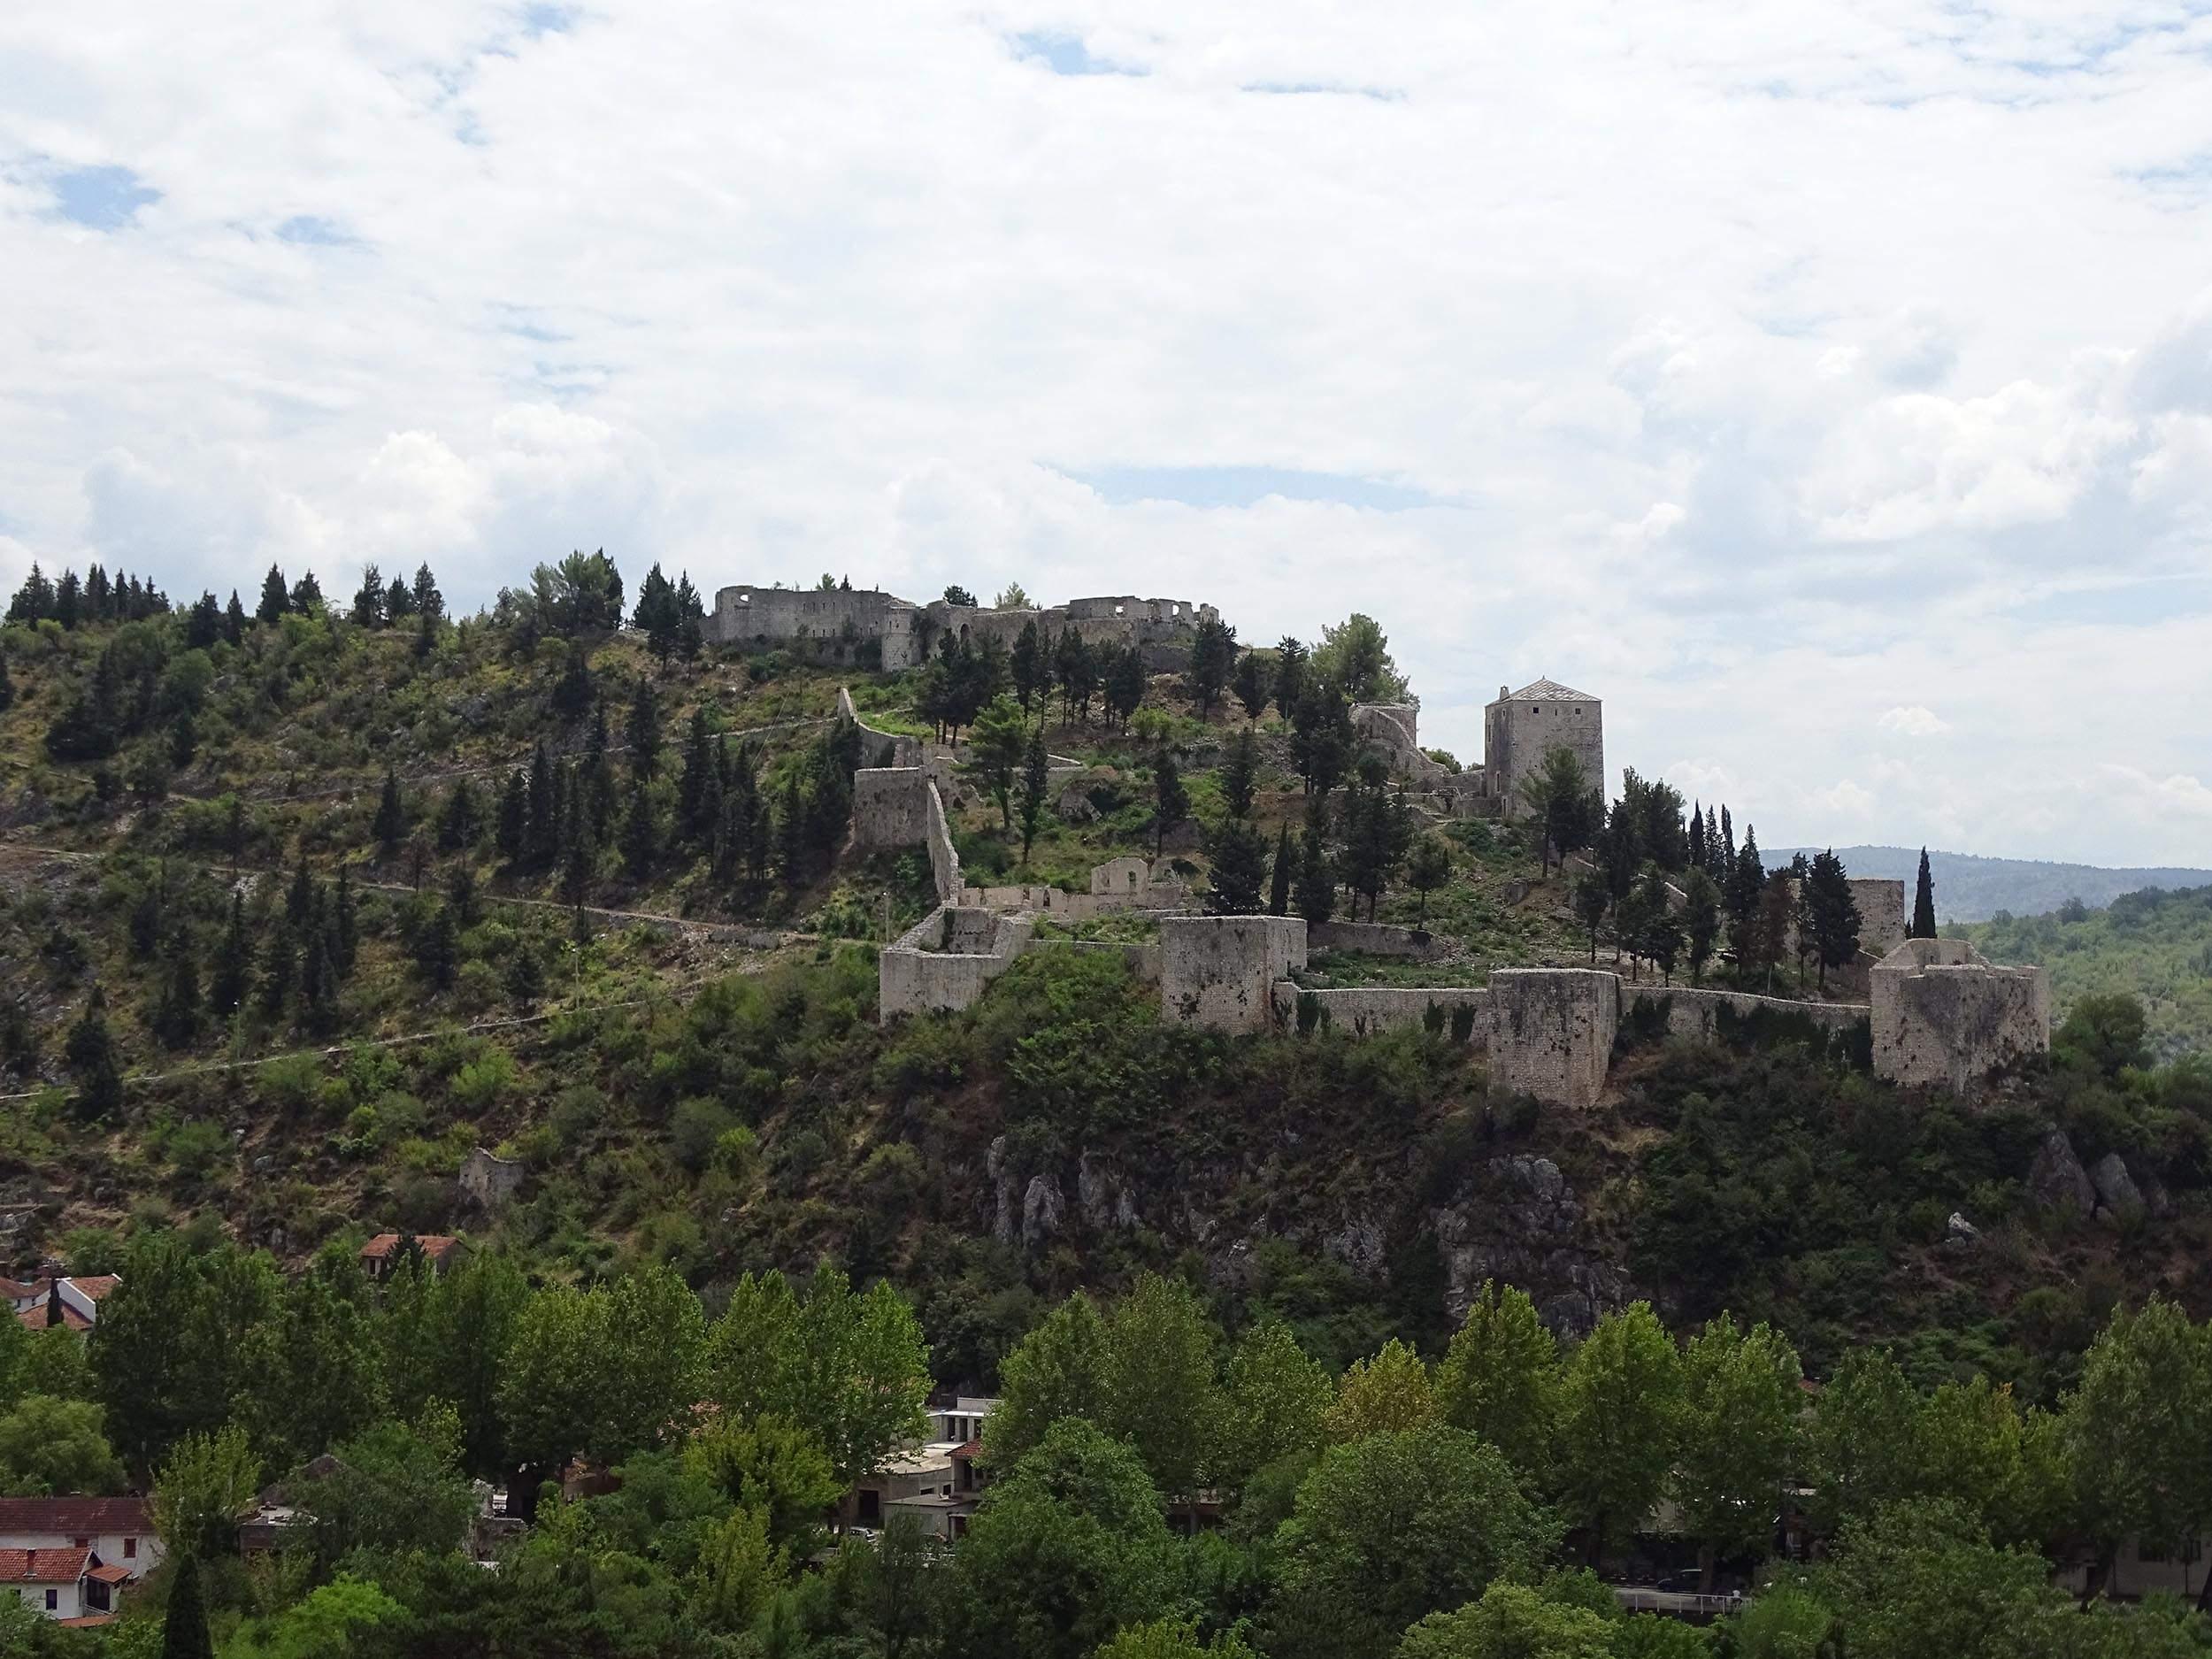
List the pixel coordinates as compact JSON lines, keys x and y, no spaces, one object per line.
{"x":1969,"y":889}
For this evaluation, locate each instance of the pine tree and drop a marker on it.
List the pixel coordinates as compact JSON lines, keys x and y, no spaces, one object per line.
{"x":89,"y":1053}
{"x":460,"y":897}
{"x":526,"y":977}
{"x":299,"y":902}
{"x":368,"y":601}
{"x":1026,"y":665}
{"x":577,"y":848}
{"x":277,"y":969}
{"x":1240,"y":870}
{"x":1923,"y":920}
{"x":1316,"y":883}
{"x":459,"y":820}
{"x":1035,"y":785}
{"x":307,"y":595}
{"x":1286,"y":874}
{"x":178,"y":1015}
{"x":514,"y":817}
{"x":791,"y":841}
{"x":437,"y":950}
{"x":399,"y":602}
{"x":275,"y":597}
{"x":1239,"y":774}
{"x":693,"y":787}
{"x":226,"y":984}
{"x":429,"y":602}
{"x":1253,"y":685}
{"x":573,"y":691}
{"x":99,"y":597}
{"x":234,"y":619}
{"x":641,"y":841}
{"x":1833,"y":912}
{"x":68,"y":601}
{"x":1171,"y":801}
{"x":1213,"y":656}
{"x":544,"y":839}
{"x":389,"y":825}
{"x":1429,"y":866}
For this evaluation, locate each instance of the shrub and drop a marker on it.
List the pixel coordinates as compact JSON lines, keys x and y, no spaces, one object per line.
{"x":695,"y":1129}
{"x":484,"y":1082}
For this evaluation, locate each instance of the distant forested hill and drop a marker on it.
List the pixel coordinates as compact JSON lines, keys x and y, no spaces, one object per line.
{"x":2154,"y":945}
{"x":1972,"y":889}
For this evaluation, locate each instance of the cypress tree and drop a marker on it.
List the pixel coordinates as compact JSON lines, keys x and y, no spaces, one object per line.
{"x":1240,"y":871}
{"x":7,"y":686}
{"x":436,"y":951}
{"x":791,"y":846}
{"x":299,"y":903}
{"x":1286,"y":874}
{"x":526,"y":977}
{"x":642,"y":733}
{"x":234,"y":619}
{"x":1171,"y":801}
{"x":1697,"y":836}
{"x":544,"y":834}
{"x":1923,"y":921}
{"x":579,"y":851}
{"x":1832,"y":912}
{"x":1239,"y":774}
{"x":457,"y":820}
{"x":692,"y":788}
{"x":184,"y":1622}
{"x":460,"y":893}
{"x":1036,"y":781}
{"x":177,"y":1016}
{"x":276,"y":970}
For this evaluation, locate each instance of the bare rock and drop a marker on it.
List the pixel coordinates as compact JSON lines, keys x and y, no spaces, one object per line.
{"x":2116,"y":1188}
{"x":1043,"y":1210}
{"x":1359,"y":1244}
{"x":1959,"y":1232}
{"x":2057,"y":1177}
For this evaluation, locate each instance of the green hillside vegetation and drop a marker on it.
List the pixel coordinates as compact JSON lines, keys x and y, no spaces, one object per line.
{"x":304,"y":907}
{"x":2154,"y":945}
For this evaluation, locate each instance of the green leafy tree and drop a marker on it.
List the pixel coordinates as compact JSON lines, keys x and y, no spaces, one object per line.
{"x":1429,"y":866}
{"x":995,"y":746}
{"x":50,"y":1446}
{"x":1861,"y":1439}
{"x":1162,"y":1392}
{"x":1390,"y":1528}
{"x":1620,"y":1415}
{"x":1501,"y":1377}
{"x":1172,"y":1639}
{"x":1065,"y":1549}
{"x":1387,"y":1394}
{"x":1511,"y":1621}
{"x":1738,"y":1440}
{"x":2136,"y":1432}
{"x":1274,"y":1397}
{"x":772,"y":1465}
{"x":205,"y":1484}
{"x":1058,"y":1370}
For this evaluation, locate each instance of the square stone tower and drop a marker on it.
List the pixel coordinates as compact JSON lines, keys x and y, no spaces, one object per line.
{"x":1945,"y":1016}
{"x":1522,"y":727}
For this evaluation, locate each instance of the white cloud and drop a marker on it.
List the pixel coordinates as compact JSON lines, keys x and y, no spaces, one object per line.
{"x":1913,"y":722}
{"x":1713,"y":327}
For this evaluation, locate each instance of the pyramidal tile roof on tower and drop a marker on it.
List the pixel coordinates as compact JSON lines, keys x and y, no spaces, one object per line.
{"x":1550,"y":691}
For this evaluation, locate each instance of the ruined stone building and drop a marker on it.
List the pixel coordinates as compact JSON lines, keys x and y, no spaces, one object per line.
{"x":872,"y":629}
{"x":1519,"y":729}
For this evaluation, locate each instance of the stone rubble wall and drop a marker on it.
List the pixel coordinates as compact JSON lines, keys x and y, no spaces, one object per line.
{"x":1220,"y":970}
{"x":899,"y":806}
{"x":838,"y":622}
{"x":943,"y":964}
{"x":889,"y":748}
{"x":1944,"y":1016}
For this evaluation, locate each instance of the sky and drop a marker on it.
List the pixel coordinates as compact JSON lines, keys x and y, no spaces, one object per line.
{"x":1827,"y":387}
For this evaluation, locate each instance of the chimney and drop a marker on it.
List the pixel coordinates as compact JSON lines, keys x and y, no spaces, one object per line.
{"x":1503,"y":693}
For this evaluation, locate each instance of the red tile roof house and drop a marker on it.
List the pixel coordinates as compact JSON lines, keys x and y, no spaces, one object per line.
{"x":382,"y":1253}
{"x":72,"y":1304}
{"x":84,"y":1550}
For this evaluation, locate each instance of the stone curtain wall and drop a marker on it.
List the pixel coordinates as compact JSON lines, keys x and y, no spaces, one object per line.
{"x":1552,"y":1032}
{"x":1944,"y":1016}
{"x":1368,"y":1010}
{"x":1694,"y":1012}
{"x":943,"y":962}
{"x":897,"y":807}
{"x":1220,"y":970}
{"x":887,"y":749}
{"x":1376,"y":938}
{"x":1882,"y":918}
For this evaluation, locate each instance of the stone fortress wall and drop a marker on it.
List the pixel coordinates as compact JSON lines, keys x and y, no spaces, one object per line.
{"x":853,"y":625}
{"x":1519,"y":729}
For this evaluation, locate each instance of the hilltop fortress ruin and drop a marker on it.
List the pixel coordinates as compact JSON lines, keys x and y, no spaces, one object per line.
{"x":864,"y":628}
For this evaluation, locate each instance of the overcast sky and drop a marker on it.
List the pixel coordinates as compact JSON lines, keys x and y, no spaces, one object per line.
{"x":1827,"y":387}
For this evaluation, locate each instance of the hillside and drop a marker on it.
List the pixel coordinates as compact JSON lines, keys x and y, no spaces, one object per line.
{"x":2155,"y":946}
{"x":1972,"y":888}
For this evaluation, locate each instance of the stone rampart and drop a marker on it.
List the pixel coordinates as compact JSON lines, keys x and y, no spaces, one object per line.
{"x":1881,"y":902}
{"x":1551,"y":1032}
{"x":1220,"y":970}
{"x":886,"y":749}
{"x":943,"y":964}
{"x":1944,"y":1016}
{"x":899,"y":806}
{"x":1376,"y":938}
{"x":1366,"y":1010}
{"x":1143,"y":959}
